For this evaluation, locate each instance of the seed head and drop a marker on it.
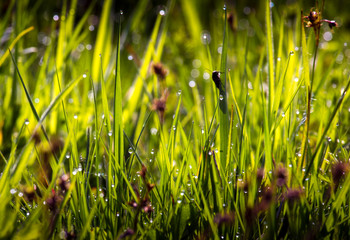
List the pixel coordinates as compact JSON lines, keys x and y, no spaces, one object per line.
{"x":159,"y":70}
{"x":281,"y":175}
{"x":224,"y":218}
{"x":339,"y":170}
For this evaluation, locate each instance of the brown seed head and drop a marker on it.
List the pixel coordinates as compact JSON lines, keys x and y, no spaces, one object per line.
{"x":339,"y":170}
{"x":281,"y":175}
{"x":63,"y":182}
{"x":127,"y":232}
{"x":293,"y":195}
{"x":260,"y":174}
{"x":159,"y":70}
{"x":224,"y":218}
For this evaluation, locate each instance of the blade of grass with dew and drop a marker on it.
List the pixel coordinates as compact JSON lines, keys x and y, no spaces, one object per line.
{"x":136,"y":88}
{"x":279,"y":51}
{"x":118,"y":114}
{"x":102,"y":41}
{"x":74,"y":32}
{"x":306,"y":73}
{"x":334,"y":113}
{"x":24,"y":32}
{"x":60,"y":64}
{"x":267,"y":136}
{"x":270,"y":58}
{"x":223,"y":112}
{"x":36,"y":115}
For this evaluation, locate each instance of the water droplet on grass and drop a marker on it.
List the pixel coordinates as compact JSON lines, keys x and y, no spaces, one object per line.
{"x":26,"y":122}
{"x":110,"y":133}
{"x":205,"y":37}
{"x":291,"y":53}
{"x":130,"y":150}
{"x":13,"y":191}
{"x":84,"y":75}
{"x":192,"y":84}
{"x":221,"y":97}
{"x":178,"y":93}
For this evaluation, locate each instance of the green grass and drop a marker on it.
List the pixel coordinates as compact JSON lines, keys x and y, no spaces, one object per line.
{"x":111,"y":126}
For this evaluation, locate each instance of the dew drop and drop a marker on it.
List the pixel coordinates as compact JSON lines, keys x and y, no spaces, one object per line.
{"x":291,"y":53}
{"x":110,"y":133}
{"x":205,"y":37}
{"x":221,"y":97}
{"x":121,"y":12}
{"x":174,"y":128}
{"x":178,"y":93}
{"x":20,"y":194}
{"x":154,"y":131}
{"x":192,"y":83}
{"x":75,"y":116}
{"x":130,"y":150}
{"x":26,"y":122}
{"x":13,"y":191}
{"x":56,"y":18}
{"x":84,"y":75}
{"x":283,"y":114}
{"x":152,"y":151}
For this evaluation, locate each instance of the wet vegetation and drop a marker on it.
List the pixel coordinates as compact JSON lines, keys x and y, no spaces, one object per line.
{"x":174,"y":120}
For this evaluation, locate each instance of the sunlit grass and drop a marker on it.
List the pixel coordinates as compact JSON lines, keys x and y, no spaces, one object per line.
{"x":111,"y":125}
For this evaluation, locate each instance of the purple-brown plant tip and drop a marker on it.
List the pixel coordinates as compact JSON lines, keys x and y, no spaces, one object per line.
{"x":231,"y":21}
{"x":147,"y":209}
{"x":150,"y":186}
{"x":133,"y":204}
{"x":339,"y":170}
{"x":224,"y":218}
{"x":143,"y":172}
{"x":293,"y":195}
{"x":128,"y":232}
{"x":250,"y":214}
{"x":54,"y":201}
{"x":281,"y":175}
{"x":63,"y":182}
{"x":159,"y":70}
{"x":332,"y":24}
{"x":260,"y":174}
{"x":313,"y":19}
{"x":160,"y":104}
{"x":266,"y":199}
